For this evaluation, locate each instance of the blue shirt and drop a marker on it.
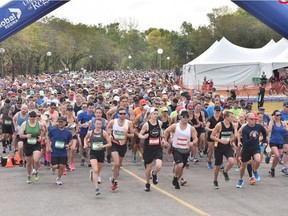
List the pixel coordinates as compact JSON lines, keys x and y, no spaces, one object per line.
{"x":284,"y":117}
{"x":85,"y":118}
{"x":59,"y":138}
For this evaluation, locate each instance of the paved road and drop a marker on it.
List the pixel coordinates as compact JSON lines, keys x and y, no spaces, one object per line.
{"x":76,"y":196}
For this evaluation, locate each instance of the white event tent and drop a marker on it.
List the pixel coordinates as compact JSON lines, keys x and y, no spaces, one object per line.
{"x":228,"y":64}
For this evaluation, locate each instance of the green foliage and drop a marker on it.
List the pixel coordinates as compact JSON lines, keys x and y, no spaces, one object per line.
{"x":120,"y":45}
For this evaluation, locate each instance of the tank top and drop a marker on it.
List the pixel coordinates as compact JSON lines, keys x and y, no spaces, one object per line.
{"x":154,"y":133}
{"x":5,"y":117}
{"x":72,"y":125}
{"x":165,"y":124}
{"x":16,"y":110}
{"x":118,"y":135}
{"x":20,"y":120}
{"x":277,"y":134}
{"x":77,"y":108}
{"x":34,"y":131}
{"x":225,"y":133}
{"x":181,"y":137}
{"x":97,"y":140}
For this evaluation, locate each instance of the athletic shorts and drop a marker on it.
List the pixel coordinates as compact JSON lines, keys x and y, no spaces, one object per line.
{"x":97,"y":155}
{"x":180,"y":157}
{"x":121,"y":149}
{"x":75,"y":137}
{"x":19,"y":139}
{"x":29,"y":149}
{"x":248,"y":154}
{"x":279,"y":146}
{"x":82,"y":136}
{"x":220,"y":151}
{"x":150,"y":154}
{"x":55,"y":160}
{"x":208,"y":137}
{"x":7,"y":129}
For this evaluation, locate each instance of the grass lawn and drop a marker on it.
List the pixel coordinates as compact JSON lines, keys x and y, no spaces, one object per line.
{"x":270,"y":107}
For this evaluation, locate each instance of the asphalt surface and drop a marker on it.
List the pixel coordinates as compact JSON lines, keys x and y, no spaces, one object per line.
{"x":77,"y":196}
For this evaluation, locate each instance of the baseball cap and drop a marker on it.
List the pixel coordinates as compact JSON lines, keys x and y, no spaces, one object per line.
{"x":179,"y":108}
{"x":285,"y":104}
{"x":143,"y":102}
{"x":217,"y":108}
{"x":184,"y":113}
{"x":248,"y":107}
{"x":62,"y":119}
{"x":189,"y":106}
{"x":164,"y":109}
{"x":153,"y":109}
{"x":7,"y":100}
{"x":32,"y":113}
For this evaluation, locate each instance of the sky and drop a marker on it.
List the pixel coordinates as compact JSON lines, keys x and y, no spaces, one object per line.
{"x":166,"y":14}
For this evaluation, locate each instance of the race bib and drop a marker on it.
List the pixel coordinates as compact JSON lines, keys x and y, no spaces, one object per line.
{"x":119,"y":136}
{"x":32,"y":141}
{"x":226,"y":138}
{"x":182,"y":142}
{"x":97,"y":146}
{"x":59,"y":144}
{"x":154,"y":141}
{"x":8,"y":122}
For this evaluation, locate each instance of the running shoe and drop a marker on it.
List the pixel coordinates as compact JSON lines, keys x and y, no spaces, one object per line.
{"x":215,"y":183}
{"x":226,"y":176}
{"x":21,"y":163}
{"x":237,"y":169}
{"x":183,"y":181}
{"x":222,"y":167}
{"x":4,"y":150}
{"x":195,"y":160}
{"x":256,"y":175}
{"x":200,"y":153}
{"x":91,"y":175}
{"x":10,"y":147}
{"x":114,"y":184}
{"x":252,"y":180}
{"x":272,"y":172}
{"x":29,"y":180}
{"x":97,"y":191}
{"x":240,"y":183}
{"x":177,"y":185}
{"x":154,"y":178}
{"x":191,"y":157}
{"x":174,"y":181}
{"x":210,"y":165}
{"x":99,"y":180}
{"x":284,"y":170}
{"x":267,"y":159}
{"x":147,"y":187}
{"x":64,"y":171}
{"x":72,"y":167}
{"x":58,"y":181}
{"x":36,"y":176}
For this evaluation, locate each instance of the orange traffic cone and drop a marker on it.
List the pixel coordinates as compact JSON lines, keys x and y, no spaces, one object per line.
{"x":9,"y":162}
{"x":17,"y":158}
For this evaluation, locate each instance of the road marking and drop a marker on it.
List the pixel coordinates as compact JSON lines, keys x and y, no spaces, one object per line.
{"x":195,"y":209}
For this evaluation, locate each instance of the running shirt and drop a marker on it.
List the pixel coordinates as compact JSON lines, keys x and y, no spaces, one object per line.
{"x":225,"y":133}
{"x":284,"y":117}
{"x":154,"y":133}
{"x":277,"y":134}
{"x":34,"y":131}
{"x":59,"y":138}
{"x":20,"y":121}
{"x":118,"y":135}
{"x":5,"y":118}
{"x":16,"y":110}
{"x":85,"y":118}
{"x":97,"y":140}
{"x":250,"y":136}
{"x":181,"y":137}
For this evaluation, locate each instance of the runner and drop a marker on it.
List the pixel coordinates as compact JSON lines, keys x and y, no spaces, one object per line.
{"x":60,"y":140}
{"x":223,"y":135}
{"x":32,"y":132}
{"x":250,"y":134}
{"x":284,"y":117}
{"x":98,"y":139}
{"x":7,"y":129}
{"x":183,"y":132}
{"x":18,"y":120}
{"x":153,"y":134}
{"x":121,"y":129}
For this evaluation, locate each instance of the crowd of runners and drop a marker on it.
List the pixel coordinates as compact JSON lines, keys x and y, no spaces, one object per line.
{"x":47,"y":120}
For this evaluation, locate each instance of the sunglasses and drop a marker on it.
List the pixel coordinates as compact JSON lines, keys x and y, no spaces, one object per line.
{"x":33,"y":116}
{"x":70,"y":109}
{"x":122,"y":113}
{"x":157,"y":104}
{"x":19,"y":103}
{"x":38,"y":115}
{"x":84,"y":107}
{"x":40,"y":109}
{"x":278,"y":115}
{"x":218,"y":110}
{"x":185,"y":116}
